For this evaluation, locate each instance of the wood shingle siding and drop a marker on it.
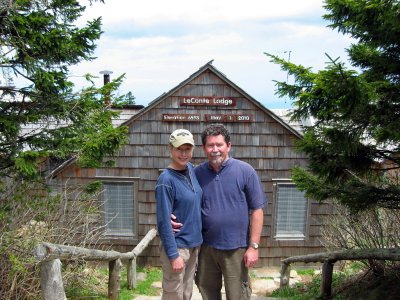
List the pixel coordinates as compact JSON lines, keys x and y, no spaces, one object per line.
{"x":266,"y":142}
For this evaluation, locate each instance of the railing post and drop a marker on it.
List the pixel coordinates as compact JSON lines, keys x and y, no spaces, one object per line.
{"x":131,"y":270}
{"x":51,"y":280}
{"x":326,"y":284}
{"x":114,"y":279}
{"x":285,"y":275}
{"x":131,"y":274}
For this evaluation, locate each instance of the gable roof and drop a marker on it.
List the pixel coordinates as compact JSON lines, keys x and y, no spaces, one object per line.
{"x":209,"y":67}
{"x":281,"y":116}
{"x":285,"y":115}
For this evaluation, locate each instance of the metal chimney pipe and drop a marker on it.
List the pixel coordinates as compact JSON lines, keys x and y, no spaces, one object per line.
{"x":106,"y":77}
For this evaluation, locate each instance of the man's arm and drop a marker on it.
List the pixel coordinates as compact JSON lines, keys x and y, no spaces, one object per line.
{"x":256,"y":224}
{"x":175,"y":224}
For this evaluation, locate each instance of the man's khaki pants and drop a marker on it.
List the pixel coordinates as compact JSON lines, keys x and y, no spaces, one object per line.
{"x":222,"y":266}
{"x":179,"y":286}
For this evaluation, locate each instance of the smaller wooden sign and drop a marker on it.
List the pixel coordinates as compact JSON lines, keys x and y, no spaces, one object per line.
{"x":181,"y":117}
{"x":241,"y":118}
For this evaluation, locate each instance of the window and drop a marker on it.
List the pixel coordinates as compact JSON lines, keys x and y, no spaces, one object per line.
{"x":119,"y":208}
{"x":291,"y":212}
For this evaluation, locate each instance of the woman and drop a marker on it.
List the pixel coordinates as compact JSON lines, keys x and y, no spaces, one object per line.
{"x":178,"y":192}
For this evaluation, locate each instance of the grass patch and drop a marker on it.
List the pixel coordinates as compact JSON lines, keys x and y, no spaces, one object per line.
{"x":86,"y":283}
{"x":92,"y":284}
{"x":308,"y":272}
{"x":144,"y":287}
{"x":302,"y":291}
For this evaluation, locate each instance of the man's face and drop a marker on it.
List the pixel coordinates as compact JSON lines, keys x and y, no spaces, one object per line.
{"x":216,"y":150}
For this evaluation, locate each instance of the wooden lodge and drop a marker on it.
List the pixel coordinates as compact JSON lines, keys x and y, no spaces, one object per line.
{"x":259,"y":137}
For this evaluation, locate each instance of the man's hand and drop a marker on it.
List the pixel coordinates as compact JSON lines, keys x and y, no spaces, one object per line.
{"x":251,"y":257}
{"x":176,"y":226}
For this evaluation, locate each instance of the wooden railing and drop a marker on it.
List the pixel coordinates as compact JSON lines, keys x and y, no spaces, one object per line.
{"x":329,"y":258}
{"x":50,"y":256}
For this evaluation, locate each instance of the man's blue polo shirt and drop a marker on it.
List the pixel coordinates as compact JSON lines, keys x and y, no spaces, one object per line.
{"x":228,"y":196}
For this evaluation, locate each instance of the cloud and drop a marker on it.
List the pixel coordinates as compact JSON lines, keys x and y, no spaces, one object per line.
{"x":158,"y":44}
{"x":150,"y":12}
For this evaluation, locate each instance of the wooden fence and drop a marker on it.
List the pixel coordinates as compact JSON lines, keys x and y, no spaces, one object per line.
{"x":329,"y":258}
{"x":50,"y":256}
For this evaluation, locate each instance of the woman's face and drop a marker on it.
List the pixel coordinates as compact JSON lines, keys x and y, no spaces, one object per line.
{"x":181,"y":156}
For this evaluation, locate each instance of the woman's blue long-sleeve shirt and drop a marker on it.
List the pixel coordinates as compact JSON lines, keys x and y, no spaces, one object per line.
{"x":176,"y":194}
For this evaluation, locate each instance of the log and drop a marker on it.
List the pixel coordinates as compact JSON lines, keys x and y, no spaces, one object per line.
{"x":48,"y":251}
{"x":114,"y":279}
{"x":145,"y":242}
{"x":352,"y":254}
{"x":51,"y":280}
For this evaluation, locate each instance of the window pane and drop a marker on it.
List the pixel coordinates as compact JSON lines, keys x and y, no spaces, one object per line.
{"x":291,"y":212}
{"x":118,"y":208}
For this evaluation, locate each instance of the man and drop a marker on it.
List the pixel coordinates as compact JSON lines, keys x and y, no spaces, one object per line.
{"x":232,"y":217}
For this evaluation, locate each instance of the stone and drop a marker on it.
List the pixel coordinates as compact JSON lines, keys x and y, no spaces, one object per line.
{"x":293,"y":273}
{"x":265,"y":273}
{"x":157,"y":285}
{"x":263,"y":286}
{"x":141,"y":276}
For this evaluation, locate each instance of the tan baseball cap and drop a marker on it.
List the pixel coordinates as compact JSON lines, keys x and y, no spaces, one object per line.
{"x":180,"y":137}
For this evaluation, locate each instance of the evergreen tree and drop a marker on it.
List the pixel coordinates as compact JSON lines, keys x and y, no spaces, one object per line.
{"x":39,"y":41}
{"x":354,"y":145}
{"x":129,"y":99}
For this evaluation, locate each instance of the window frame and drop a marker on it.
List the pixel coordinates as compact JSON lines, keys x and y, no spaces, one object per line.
{"x":135,"y":216}
{"x":288,"y":237}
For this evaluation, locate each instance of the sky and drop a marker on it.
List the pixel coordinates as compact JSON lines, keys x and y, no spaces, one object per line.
{"x":158,"y":43}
